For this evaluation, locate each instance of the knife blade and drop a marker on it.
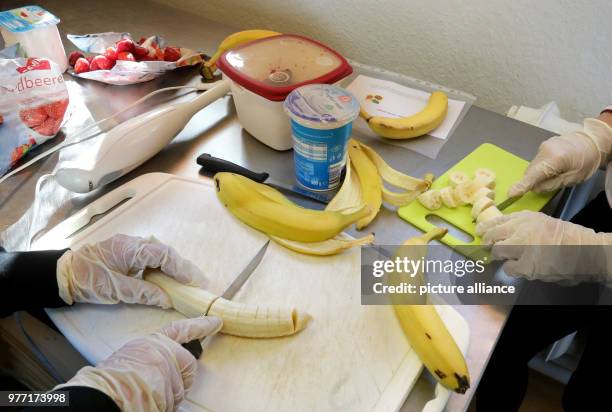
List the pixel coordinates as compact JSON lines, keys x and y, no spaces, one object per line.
{"x":506,"y":203}
{"x":195,"y":347}
{"x":213,"y":165}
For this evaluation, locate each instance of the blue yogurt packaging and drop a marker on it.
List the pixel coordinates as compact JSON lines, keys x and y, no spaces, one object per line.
{"x":321,"y":122}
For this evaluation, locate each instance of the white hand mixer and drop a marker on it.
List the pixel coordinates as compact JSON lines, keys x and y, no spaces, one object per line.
{"x":133,"y":142}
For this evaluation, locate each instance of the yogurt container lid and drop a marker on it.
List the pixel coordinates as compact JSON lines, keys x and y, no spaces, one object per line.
{"x":274,"y":66}
{"x":26,"y":18}
{"x":321,"y":106}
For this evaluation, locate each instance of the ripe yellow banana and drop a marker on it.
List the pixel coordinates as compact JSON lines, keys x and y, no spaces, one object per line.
{"x":239,"y":319}
{"x":328,"y":247}
{"x":369,"y":181}
{"x":288,"y":220}
{"x":410,"y":126}
{"x":425,"y":329}
{"x":231,"y":41}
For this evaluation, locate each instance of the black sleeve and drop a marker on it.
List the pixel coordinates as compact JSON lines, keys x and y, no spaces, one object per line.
{"x":28,"y":281}
{"x":82,"y":398}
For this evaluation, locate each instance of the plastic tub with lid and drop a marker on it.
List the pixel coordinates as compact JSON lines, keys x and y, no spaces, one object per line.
{"x":36,"y":30}
{"x":263,"y":72}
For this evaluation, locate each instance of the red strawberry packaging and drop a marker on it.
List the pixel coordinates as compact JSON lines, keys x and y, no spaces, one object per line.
{"x":116,"y":58}
{"x":33,"y":102}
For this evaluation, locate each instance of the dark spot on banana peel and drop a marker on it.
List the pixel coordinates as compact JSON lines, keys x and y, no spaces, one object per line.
{"x":428,"y":336}
{"x":218,"y":185}
{"x":440,"y":374}
{"x":463,"y":383}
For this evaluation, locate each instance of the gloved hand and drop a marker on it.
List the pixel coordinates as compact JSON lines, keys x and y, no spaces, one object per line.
{"x":151,"y":373}
{"x":538,"y":246}
{"x":111,"y":271}
{"x":567,"y":160}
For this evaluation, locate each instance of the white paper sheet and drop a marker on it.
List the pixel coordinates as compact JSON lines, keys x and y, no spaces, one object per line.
{"x":386,"y":98}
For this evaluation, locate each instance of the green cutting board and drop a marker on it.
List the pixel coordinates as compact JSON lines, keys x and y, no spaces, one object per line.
{"x":508,"y":167}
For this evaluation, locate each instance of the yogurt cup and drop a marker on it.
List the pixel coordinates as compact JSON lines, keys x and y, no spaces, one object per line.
{"x":321,"y":123}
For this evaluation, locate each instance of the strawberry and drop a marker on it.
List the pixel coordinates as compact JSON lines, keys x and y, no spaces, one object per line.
{"x":140,"y":52}
{"x":101,"y":63}
{"x":33,"y":117}
{"x":111,"y":53}
{"x":125,"y":45}
{"x":172,"y":54}
{"x":141,"y":40}
{"x":73,"y":57}
{"x":1,"y":119}
{"x":126,"y":56}
{"x":56,"y":109}
{"x":81,"y":65}
{"x":49,"y":127}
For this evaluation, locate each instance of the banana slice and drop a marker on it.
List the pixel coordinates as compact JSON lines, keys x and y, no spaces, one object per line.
{"x":485,"y":177}
{"x":465,"y":192}
{"x":484,"y":192}
{"x":481,"y":205}
{"x":448,"y":197}
{"x":431,"y":199}
{"x":456,"y":178}
{"x":488,"y":214}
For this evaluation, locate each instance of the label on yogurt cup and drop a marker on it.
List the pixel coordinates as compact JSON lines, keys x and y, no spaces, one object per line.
{"x":321,"y":124}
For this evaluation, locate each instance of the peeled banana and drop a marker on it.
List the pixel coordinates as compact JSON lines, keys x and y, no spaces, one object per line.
{"x":231,"y":41}
{"x":239,"y":319}
{"x":411,"y":126}
{"x":431,"y":199}
{"x":426,"y":331}
{"x":282,"y":219}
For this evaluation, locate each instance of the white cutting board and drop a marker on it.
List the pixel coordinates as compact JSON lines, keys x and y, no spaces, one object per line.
{"x":350,"y":357}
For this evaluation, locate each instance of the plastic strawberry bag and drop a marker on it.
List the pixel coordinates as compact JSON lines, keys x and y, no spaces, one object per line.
{"x":117,"y":59}
{"x":33,"y":101}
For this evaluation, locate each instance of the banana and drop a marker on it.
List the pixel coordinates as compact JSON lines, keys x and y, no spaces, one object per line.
{"x":426,"y":331}
{"x":430,"y":199}
{"x":480,"y":205}
{"x":288,"y":221}
{"x":485,"y":177}
{"x":349,"y":194}
{"x":411,"y":126}
{"x":447,"y":194}
{"x":465,"y":192}
{"x":369,"y":181}
{"x":231,"y":41}
{"x":488,"y":214}
{"x":238,"y":319}
{"x":484,"y":192}
{"x":457,"y":178}
{"x":328,"y":247}
{"x":188,"y":300}
{"x":253,"y":321}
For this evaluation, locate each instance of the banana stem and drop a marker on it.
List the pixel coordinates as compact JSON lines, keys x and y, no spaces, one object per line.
{"x":433,"y":234}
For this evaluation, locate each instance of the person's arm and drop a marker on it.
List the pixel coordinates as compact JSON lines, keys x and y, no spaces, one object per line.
{"x":28,"y":281}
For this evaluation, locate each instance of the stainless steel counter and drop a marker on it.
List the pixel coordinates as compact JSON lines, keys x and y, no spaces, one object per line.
{"x":216,"y":130}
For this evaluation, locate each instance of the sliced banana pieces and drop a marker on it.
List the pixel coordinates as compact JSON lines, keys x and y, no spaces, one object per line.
{"x":456,"y":178}
{"x":488,"y":214}
{"x":239,"y":319}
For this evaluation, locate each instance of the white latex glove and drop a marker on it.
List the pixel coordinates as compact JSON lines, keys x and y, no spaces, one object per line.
{"x":538,"y":246}
{"x":111,"y":272}
{"x":151,"y":373}
{"x":567,"y":160}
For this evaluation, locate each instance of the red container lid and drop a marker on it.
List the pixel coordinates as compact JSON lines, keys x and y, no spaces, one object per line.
{"x":274,"y":66}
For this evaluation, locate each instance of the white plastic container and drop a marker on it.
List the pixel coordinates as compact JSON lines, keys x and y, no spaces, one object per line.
{"x":262,"y":73}
{"x":36,"y":30}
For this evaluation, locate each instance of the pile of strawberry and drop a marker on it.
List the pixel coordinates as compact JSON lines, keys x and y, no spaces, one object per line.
{"x":125,"y":49}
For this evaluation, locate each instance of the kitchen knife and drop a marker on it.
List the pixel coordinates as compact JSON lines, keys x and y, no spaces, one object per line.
{"x":510,"y":201}
{"x":195,"y":346}
{"x":214,"y":165}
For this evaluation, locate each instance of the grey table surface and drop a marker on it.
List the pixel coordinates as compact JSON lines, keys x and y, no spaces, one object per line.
{"x":216,"y":130}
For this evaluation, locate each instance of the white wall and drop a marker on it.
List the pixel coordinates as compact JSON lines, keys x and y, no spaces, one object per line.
{"x":503,"y":51}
